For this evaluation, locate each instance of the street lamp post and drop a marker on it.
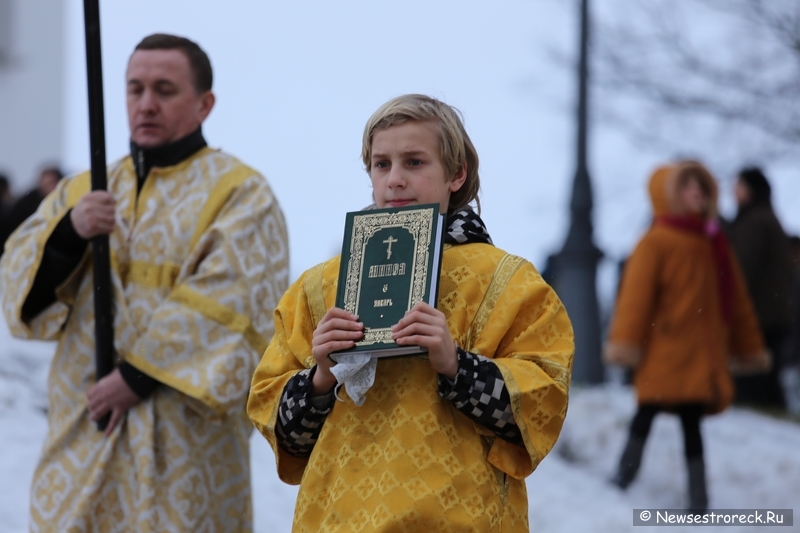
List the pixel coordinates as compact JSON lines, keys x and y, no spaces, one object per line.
{"x":576,"y":263}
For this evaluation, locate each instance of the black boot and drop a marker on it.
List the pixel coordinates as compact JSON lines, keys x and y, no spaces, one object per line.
{"x":629,"y":462}
{"x":698,"y":497}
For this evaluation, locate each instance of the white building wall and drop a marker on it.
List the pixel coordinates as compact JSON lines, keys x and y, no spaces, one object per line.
{"x":31,"y":88}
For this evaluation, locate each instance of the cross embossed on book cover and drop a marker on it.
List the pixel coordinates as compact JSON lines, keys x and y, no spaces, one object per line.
{"x":391,"y":260}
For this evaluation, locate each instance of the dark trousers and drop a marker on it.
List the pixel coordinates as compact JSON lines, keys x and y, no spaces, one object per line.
{"x":690,"y":415}
{"x":764,"y":390}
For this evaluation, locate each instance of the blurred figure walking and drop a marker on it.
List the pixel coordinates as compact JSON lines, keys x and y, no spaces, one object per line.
{"x":681,"y":312}
{"x":762,"y":248}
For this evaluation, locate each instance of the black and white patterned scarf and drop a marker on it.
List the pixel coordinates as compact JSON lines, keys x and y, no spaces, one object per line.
{"x":466,"y":227}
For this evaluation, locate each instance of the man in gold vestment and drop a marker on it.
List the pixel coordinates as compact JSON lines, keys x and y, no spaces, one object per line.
{"x":443,"y":442}
{"x":199,"y":261}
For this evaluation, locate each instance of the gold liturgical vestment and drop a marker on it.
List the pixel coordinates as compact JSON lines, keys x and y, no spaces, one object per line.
{"x":199,"y":261}
{"x":407,"y":460}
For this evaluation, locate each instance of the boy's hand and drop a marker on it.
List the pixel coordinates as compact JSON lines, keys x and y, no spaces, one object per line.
{"x":426,"y":326}
{"x":338,"y":330}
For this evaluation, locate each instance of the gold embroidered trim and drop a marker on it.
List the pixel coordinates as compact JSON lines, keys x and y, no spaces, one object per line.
{"x":313,"y":288}
{"x":217,"y":312}
{"x":312,"y":285}
{"x":515,"y":395}
{"x":151,"y":275}
{"x":506,"y":268}
{"x":217,"y":198}
{"x":120,"y":268}
{"x":558,"y":373}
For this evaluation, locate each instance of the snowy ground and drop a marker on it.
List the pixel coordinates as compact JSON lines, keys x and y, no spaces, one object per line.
{"x":753,"y":460}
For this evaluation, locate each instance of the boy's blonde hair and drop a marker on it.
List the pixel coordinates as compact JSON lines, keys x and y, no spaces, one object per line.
{"x":456,"y":147}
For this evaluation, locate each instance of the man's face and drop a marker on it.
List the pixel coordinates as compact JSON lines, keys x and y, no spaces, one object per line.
{"x":163,"y":106}
{"x":407,"y":169}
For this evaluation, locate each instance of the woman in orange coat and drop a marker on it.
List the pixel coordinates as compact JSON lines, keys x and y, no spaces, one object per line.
{"x":683,"y":318}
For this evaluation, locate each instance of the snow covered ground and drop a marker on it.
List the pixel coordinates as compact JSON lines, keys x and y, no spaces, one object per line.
{"x":753,"y":460}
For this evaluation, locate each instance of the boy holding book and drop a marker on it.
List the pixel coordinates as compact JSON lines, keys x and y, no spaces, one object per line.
{"x":443,"y":441}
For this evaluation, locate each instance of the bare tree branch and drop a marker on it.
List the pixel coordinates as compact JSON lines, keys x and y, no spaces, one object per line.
{"x":733,"y":61}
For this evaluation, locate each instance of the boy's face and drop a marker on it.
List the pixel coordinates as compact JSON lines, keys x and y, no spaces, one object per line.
{"x":407,"y":169}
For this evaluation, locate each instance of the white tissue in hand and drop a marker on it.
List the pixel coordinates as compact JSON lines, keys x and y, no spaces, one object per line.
{"x":356,"y":371}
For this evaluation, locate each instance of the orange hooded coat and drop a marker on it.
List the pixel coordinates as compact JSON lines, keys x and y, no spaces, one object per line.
{"x":668,"y":321}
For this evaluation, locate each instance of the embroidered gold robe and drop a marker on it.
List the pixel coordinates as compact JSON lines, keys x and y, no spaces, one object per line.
{"x":407,"y":460}
{"x":199,"y":262}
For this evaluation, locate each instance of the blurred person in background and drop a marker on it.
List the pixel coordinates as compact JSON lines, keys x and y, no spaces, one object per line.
{"x":762,"y":248}
{"x":27,"y":204}
{"x":681,"y":313}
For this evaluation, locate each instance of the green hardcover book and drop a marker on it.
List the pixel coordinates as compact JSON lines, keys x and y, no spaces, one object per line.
{"x":391,"y":260}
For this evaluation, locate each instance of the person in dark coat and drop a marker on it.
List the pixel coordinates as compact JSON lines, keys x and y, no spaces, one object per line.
{"x":27,"y":204}
{"x":762,"y":248}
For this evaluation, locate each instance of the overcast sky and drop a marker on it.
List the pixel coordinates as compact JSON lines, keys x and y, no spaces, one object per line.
{"x":296,"y":81}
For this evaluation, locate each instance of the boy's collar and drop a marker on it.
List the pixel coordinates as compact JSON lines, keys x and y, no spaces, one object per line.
{"x":465,"y":226}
